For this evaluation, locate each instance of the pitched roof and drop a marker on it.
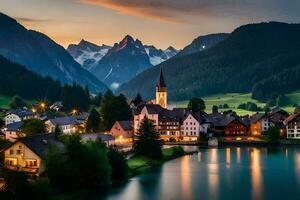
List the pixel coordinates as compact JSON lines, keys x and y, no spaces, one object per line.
{"x":95,"y":136}
{"x":256,"y":117}
{"x":60,"y":121}
{"x":161,"y":82}
{"x":39,"y":143}
{"x":21,"y":112}
{"x":290,"y":118}
{"x":16,"y":126}
{"x":126,"y":125}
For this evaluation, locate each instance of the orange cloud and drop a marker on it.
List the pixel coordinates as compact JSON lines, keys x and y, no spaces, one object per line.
{"x":168,"y":11}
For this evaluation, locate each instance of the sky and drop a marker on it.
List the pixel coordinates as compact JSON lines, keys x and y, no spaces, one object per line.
{"x":158,"y":22}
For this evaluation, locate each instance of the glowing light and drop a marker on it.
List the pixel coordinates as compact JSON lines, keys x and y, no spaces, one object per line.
{"x":33,"y":110}
{"x":74,"y":112}
{"x":238,"y":139}
{"x":42,"y":105}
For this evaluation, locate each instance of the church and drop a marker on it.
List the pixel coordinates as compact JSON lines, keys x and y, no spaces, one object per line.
{"x":167,"y":122}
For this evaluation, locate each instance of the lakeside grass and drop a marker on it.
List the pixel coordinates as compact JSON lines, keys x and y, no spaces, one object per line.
{"x":139,"y":164}
{"x":235,"y":99}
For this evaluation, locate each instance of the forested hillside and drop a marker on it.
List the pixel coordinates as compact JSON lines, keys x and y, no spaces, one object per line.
{"x":17,"y":80}
{"x":256,"y":56}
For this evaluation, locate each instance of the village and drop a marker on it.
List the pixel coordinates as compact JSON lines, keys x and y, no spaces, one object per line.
{"x":176,"y":126}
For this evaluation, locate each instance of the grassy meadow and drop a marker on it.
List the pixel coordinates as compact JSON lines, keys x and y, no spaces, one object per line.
{"x":234,"y":99}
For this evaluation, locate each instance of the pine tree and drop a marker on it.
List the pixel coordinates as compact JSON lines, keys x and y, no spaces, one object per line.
{"x":137,"y":100}
{"x":93,"y":122}
{"x":147,"y":142}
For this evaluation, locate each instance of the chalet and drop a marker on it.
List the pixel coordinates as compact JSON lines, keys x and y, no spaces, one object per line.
{"x":68,"y":125}
{"x":276,"y":118}
{"x":28,"y":153}
{"x":18,"y":115}
{"x":106,"y":138}
{"x":231,"y":126}
{"x":122,"y":131}
{"x":193,"y":125}
{"x":292,"y":124}
{"x":13,"y":131}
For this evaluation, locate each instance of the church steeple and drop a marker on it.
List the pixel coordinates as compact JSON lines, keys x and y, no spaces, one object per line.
{"x":161,"y":83}
{"x":161,"y":91}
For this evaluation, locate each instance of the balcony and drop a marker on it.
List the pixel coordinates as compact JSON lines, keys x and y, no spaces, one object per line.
{"x":27,"y":169}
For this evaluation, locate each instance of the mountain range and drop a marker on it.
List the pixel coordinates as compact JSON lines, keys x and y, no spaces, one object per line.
{"x":42,"y":55}
{"x":118,"y":64}
{"x":263,"y":58}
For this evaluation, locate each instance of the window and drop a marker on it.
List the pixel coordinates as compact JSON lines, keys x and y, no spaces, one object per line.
{"x":31,"y":163}
{"x":19,"y":152}
{"x":11,"y":151}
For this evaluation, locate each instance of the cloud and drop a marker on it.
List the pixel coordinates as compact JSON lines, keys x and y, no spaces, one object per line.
{"x":163,"y":10}
{"x":184,"y":11}
{"x":31,"y":20}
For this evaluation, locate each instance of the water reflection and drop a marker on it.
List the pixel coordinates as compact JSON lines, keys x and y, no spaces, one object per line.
{"x":228,"y":157}
{"x":238,"y":154}
{"x":297,"y":166}
{"x":186,"y":177}
{"x":256,"y":175}
{"x":213,"y":175}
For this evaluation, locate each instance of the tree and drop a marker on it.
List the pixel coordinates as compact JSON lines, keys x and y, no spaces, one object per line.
{"x":118,"y":163}
{"x":215,"y":109}
{"x":225,"y":106}
{"x":79,"y":165}
{"x":97,"y":100}
{"x":196,"y":105}
{"x":147,"y":142}
{"x":114,"y":108}
{"x":33,"y":126}
{"x":93,"y":122}
{"x":17,"y":102}
{"x":282,"y":100}
{"x":273,"y":133}
{"x":57,"y":131}
{"x":137,"y":100}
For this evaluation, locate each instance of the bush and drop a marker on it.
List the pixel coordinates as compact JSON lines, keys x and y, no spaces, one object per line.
{"x":118,"y":164}
{"x":17,"y":102}
{"x":273,"y":134}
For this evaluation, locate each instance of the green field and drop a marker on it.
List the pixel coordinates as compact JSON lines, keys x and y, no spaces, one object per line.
{"x":234,"y":99}
{"x":4,"y":101}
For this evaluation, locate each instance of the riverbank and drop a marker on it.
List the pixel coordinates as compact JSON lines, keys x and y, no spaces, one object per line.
{"x":139,"y":165}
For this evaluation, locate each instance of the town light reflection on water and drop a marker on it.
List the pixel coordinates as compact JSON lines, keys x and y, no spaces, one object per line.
{"x":238,"y":154}
{"x":213,"y":174}
{"x":186,"y":177}
{"x":256,"y":174}
{"x":297,"y":166}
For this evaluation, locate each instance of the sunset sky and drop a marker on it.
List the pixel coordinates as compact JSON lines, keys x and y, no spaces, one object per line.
{"x":158,"y":22}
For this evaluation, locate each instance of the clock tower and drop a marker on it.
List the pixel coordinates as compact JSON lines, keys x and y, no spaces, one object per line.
{"x":161,"y":91}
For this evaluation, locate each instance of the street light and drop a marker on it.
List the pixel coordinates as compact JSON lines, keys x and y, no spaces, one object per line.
{"x":74,"y":112}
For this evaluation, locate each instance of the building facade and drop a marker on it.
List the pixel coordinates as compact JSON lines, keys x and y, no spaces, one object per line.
{"x":292,"y":124}
{"x":161,"y":92}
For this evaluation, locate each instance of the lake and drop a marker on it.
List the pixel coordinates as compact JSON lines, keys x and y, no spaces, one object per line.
{"x":223,"y":173}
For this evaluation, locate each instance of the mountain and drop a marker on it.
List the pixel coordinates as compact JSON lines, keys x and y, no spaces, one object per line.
{"x":118,"y":64}
{"x":86,"y":53}
{"x":170,"y":52}
{"x":40,"y":54}
{"x":122,"y":62}
{"x":158,"y":56}
{"x":261,"y":58}
{"x":202,"y":43}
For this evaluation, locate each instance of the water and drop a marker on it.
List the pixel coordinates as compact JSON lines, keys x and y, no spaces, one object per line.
{"x":227,"y":173}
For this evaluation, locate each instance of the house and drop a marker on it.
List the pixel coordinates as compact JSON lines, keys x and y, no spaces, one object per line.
{"x":29,"y":153}
{"x":106,"y":138}
{"x":18,"y":115}
{"x":167,"y":122}
{"x":259,"y":124}
{"x":292,"y":124}
{"x":122,"y":131}
{"x":276,"y":118}
{"x":58,"y":105}
{"x":193,"y":125}
{"x":230,"y":126}
{"x":68,"y":125}
{"x":13,"y":131}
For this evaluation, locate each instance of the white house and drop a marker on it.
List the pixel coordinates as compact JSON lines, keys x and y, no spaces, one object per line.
{"x":68,"y":125}
{"x":18,"y":115}
{"x":292,"y":124}
{"x":193,"y":125}
{"x":13,"y":131}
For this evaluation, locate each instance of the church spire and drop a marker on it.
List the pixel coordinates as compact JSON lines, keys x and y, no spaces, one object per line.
{"x":161,"y":82}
